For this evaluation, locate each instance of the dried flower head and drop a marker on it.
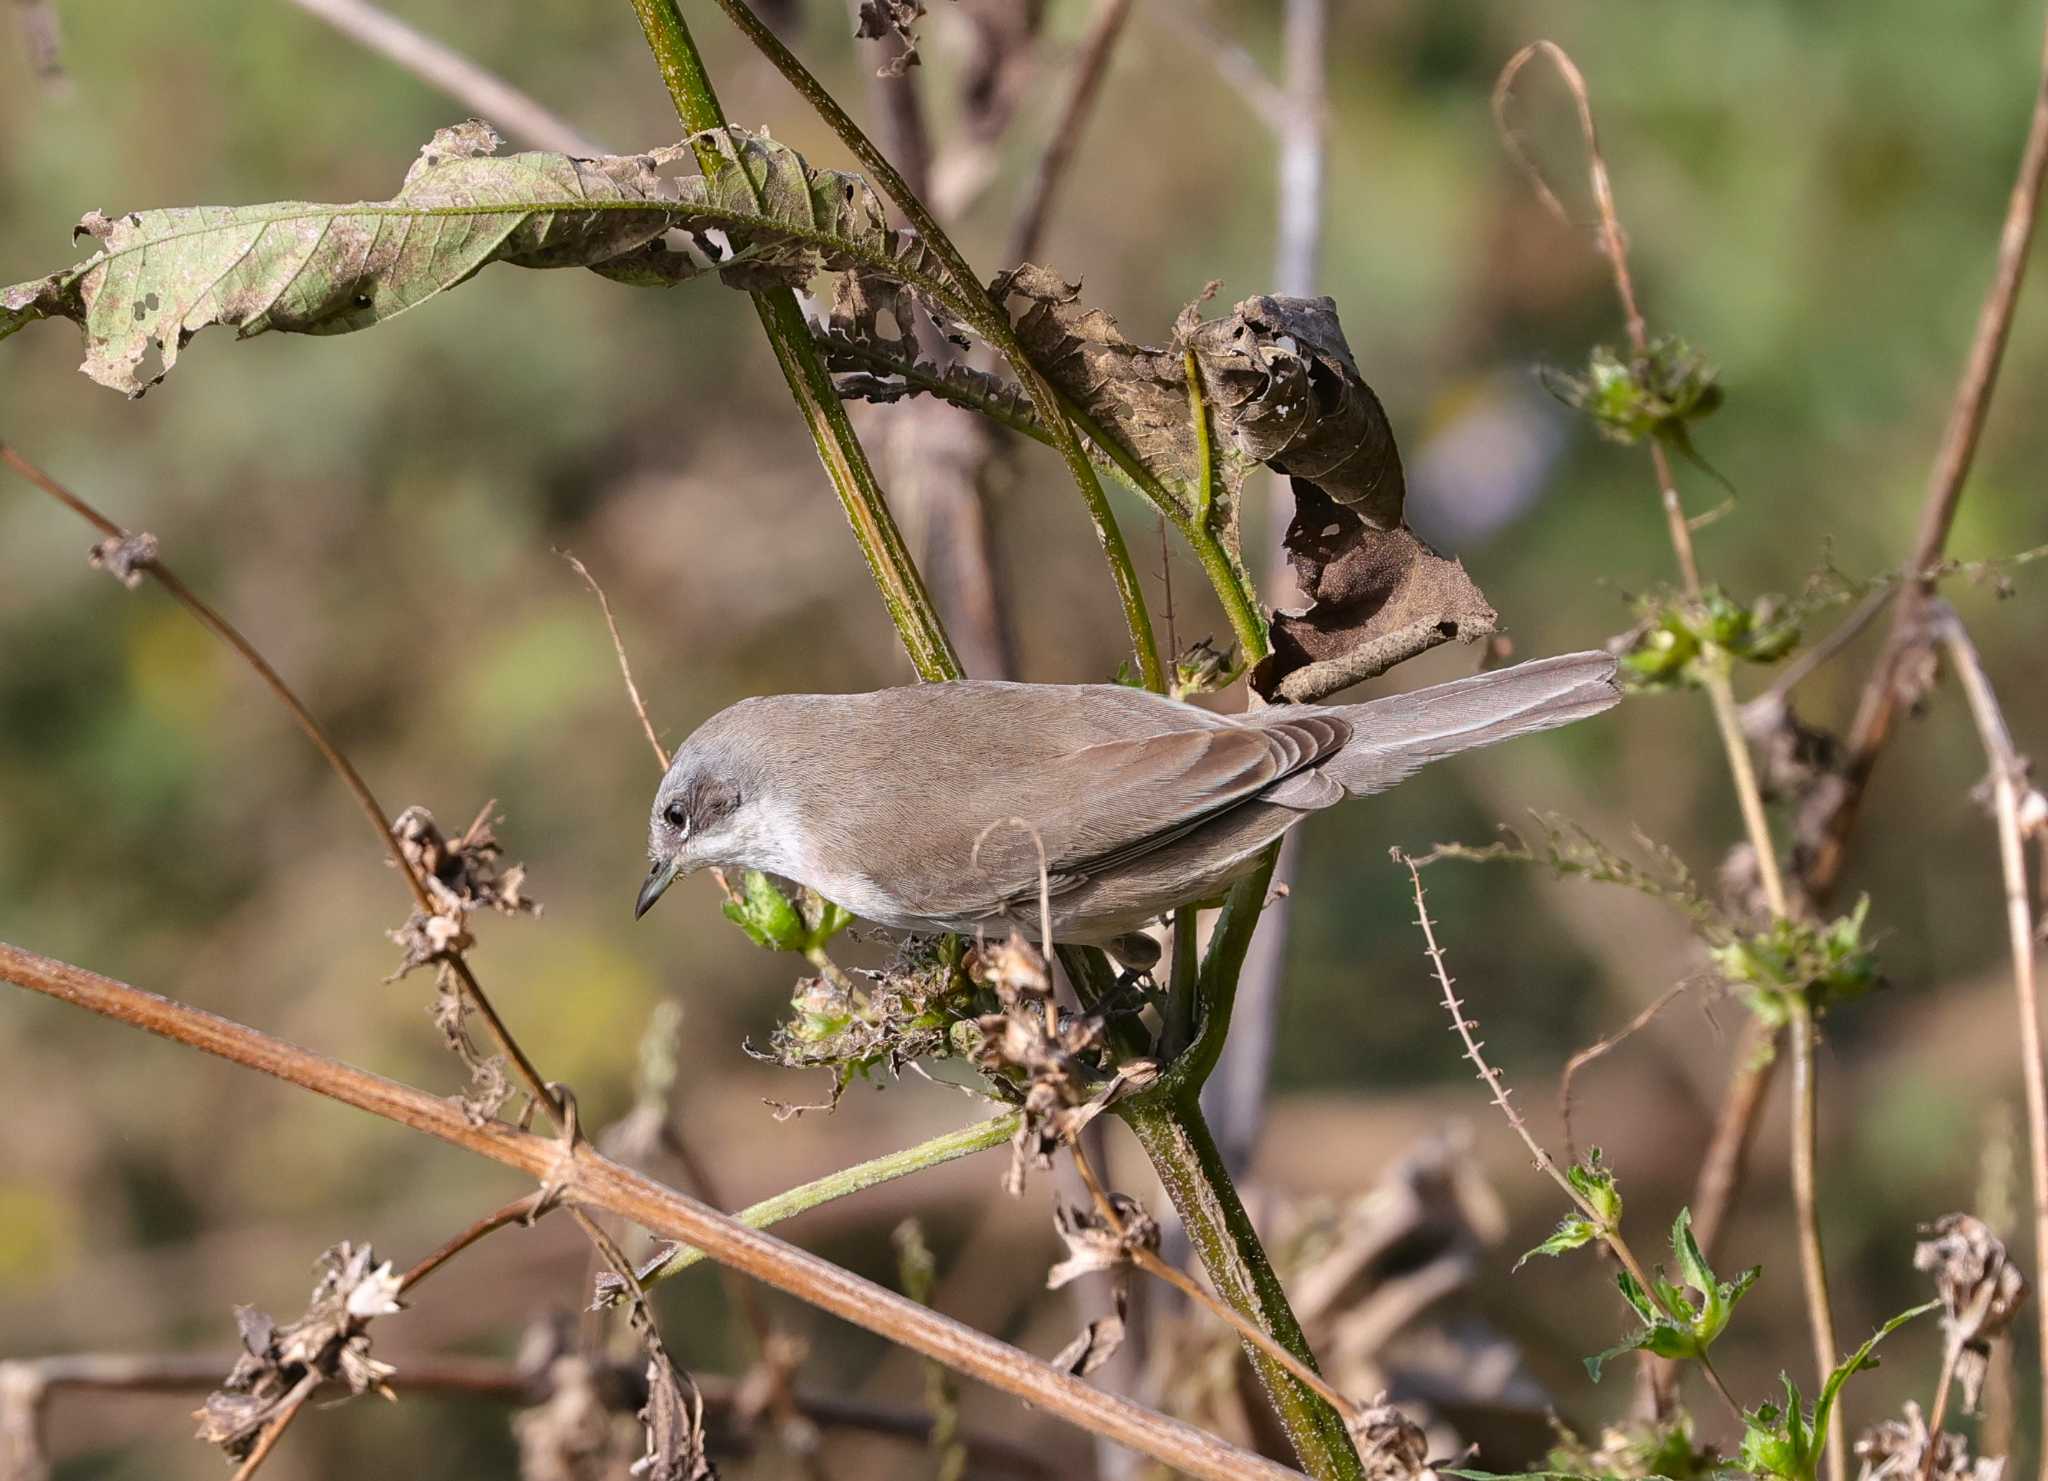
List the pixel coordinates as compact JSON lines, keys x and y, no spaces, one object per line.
{"x":1392,"y":1445}
{"x":1896,"y":1450}
{"x":1055,"y":1069}
{"x":125,"y":557}
{"x":330,"y":1340}
{"x":1980,"y":1290}
{"x":461,"y":876}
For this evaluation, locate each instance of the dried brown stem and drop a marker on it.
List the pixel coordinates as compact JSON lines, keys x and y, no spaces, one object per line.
{"x":1825,"y":837}
{"x":591,"y":1181}
{"x":2009,"y":786}
{"x":342,"y":767}
{"x":1084,"y":83}
{"x":274,"y":1431}
{"x":453,"y":1375}
{"x":518,"y":1211}
{"x":1153,"y":1265}
{"x":1594,"y":1051}
{"x":619,"y":648}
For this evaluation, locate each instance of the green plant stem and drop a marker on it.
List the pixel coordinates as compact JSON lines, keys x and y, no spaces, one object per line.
{"x":847,"y":1181}
{"x":1813,"y":1268}
{"x":789,"y":335}
{"x":1169,"y":1125}
{"x":984,"y":314}
{"x":1177,"y":1139}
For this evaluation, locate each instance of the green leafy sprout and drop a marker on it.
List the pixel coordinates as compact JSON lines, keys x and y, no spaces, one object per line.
{"x":1681,"y":639}
{"x":1675,"y":1324}
{"x":1786,"y":1443}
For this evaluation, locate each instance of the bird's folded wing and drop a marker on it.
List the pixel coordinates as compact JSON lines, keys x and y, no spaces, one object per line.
{"x":1102,"y":806}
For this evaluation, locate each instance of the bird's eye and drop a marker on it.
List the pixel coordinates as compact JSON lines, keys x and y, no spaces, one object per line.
{"x":677,"y":817}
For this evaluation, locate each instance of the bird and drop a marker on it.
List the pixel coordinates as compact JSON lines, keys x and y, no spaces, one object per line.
{"x":958,"y":807}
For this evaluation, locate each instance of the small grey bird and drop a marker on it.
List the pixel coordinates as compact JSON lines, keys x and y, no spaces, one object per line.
{"x":924,"y":808}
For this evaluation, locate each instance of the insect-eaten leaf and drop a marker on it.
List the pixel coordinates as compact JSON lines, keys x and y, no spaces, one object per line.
{"x":159,"y":277}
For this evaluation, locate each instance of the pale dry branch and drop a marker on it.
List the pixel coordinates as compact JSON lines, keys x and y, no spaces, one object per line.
{"x":2019,"y":809}
{"x":443,"y":68}
{"x":593,"y":1182}
{"x":1824,"y":833}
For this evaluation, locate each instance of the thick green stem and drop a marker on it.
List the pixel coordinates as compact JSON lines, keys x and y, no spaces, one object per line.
{"x":856,"y":1179}
{"x":1177,"y":1139}
{"x":987,"y":318}
{"x":782,"y":320}
{"x":1168,"y":1124}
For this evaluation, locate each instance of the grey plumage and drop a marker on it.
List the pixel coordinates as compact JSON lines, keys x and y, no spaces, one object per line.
{"x":1140,"y":803}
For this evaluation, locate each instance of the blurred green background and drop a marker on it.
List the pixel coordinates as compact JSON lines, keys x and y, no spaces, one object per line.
{"x":1812,"y":192}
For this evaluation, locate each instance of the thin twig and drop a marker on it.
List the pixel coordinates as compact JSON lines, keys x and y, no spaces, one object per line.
{"x":1594,"y":1051}
{"x":1235,"y":65}
{"x":462,"y":1376}
{"x":587,"y":1179}
{"x":1827,"y":838}
{"x":2009,"y":789}
{"x":619,"y":648}
{"x":482,"y":92}
{"x":1937,"y":1413}
{"x":1084,"y":82}
{"x":518,"y":1211}
{"x":342,"y":767}
{"x":1153,"y":1265}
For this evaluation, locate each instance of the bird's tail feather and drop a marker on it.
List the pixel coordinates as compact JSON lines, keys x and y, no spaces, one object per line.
{"x":1396,"y":736}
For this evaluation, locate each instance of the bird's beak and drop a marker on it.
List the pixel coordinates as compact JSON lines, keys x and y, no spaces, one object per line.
{"x":659,"y":878}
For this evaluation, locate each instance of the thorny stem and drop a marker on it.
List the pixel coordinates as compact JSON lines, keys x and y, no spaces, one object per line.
{"x":590,"y":1180}
{"x":983,"y":313}
{"x":847,"y":1181}
{"x":2009,"y":785}
{"x":342,"y":767}
{"x":1958,"y":450}
{"x":1498,"y":1089}
{"x":782,"y":320}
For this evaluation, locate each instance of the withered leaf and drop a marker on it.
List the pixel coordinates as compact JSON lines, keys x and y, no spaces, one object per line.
{"x":161,"y":276}
{"x":1377,"y":598}
{"x":674,"y":1426}
{"x":1282,"y":385}
{"x":1099,"y":1340}
{"x":880,"y":19}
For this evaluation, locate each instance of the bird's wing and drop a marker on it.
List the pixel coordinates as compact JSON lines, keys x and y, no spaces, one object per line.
{"x":1101,"y":806}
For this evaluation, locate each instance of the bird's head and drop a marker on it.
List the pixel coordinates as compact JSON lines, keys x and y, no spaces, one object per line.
{"x":699,"y":819}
